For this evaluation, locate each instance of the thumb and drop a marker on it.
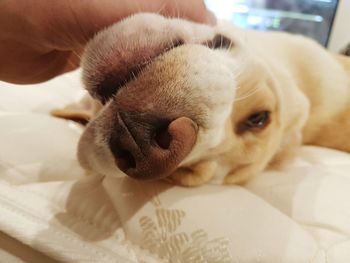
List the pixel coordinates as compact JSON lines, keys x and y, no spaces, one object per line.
{"x":193,"y":10}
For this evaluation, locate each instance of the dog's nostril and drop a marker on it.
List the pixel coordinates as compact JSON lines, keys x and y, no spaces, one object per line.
{"x":125,"y":160}
{"x":163,"y":138}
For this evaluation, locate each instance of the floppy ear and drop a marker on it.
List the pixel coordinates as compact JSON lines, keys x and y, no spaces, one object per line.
{"x":80,"y":112}
{"x":293,"y":113}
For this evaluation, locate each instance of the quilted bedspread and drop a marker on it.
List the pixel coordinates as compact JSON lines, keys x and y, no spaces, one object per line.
{"x":50,"y":211}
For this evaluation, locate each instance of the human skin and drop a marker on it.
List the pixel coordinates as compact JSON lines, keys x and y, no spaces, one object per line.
{"x":42,"y":39}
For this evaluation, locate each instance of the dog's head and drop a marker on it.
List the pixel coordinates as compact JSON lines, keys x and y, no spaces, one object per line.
{"x":179,"y":99}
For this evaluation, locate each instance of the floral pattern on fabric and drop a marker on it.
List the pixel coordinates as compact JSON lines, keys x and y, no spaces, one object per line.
{"x":161,"y":237}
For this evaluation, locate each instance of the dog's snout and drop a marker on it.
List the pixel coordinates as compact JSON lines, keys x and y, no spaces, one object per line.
{"x":130,"y":63}
{"x":151,"y":147}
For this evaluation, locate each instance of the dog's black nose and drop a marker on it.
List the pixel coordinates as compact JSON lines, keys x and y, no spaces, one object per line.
{"x":146,"y":146}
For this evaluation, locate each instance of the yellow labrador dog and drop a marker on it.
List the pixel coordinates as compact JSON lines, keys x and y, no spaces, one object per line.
{"x":190,"y":102}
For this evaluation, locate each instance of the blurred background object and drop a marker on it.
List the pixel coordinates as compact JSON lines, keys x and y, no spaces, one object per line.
{"x":313,"y":18}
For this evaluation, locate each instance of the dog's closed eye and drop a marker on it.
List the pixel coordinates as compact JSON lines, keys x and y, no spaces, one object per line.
{"x":255,"y":122}
{"x":219,"y":42}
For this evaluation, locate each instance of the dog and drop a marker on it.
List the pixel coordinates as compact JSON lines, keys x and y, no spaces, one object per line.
{"x":174,"y":99}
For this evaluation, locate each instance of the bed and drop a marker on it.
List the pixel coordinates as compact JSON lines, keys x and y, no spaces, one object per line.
{"x":50,"y":211}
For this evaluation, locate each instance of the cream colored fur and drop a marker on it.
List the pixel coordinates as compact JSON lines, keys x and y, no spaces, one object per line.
{"x":305,"y":88}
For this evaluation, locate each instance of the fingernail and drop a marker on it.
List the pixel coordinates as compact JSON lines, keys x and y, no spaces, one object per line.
{"x":210,"y":18}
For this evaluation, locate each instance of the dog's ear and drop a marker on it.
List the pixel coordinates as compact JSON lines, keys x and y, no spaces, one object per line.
{"x":80,"y":112}
{"x":293,"y":112}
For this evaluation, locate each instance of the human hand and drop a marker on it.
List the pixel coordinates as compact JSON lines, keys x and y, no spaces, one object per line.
{"x":42,"y":39}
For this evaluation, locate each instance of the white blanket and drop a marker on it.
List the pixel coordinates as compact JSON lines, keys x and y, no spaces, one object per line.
{"x":50,"y":211}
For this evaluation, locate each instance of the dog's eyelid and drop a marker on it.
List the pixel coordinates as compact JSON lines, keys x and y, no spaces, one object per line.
{"x":255,"y":122}
{"x":176,"y":43}
{"x":219,"y":42}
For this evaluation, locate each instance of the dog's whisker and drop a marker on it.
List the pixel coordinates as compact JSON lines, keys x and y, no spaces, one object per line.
{"x":76,"y":54}
{"x":161,"y":8}
{"x":177,"y":10}
{"x":247,"y":95}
